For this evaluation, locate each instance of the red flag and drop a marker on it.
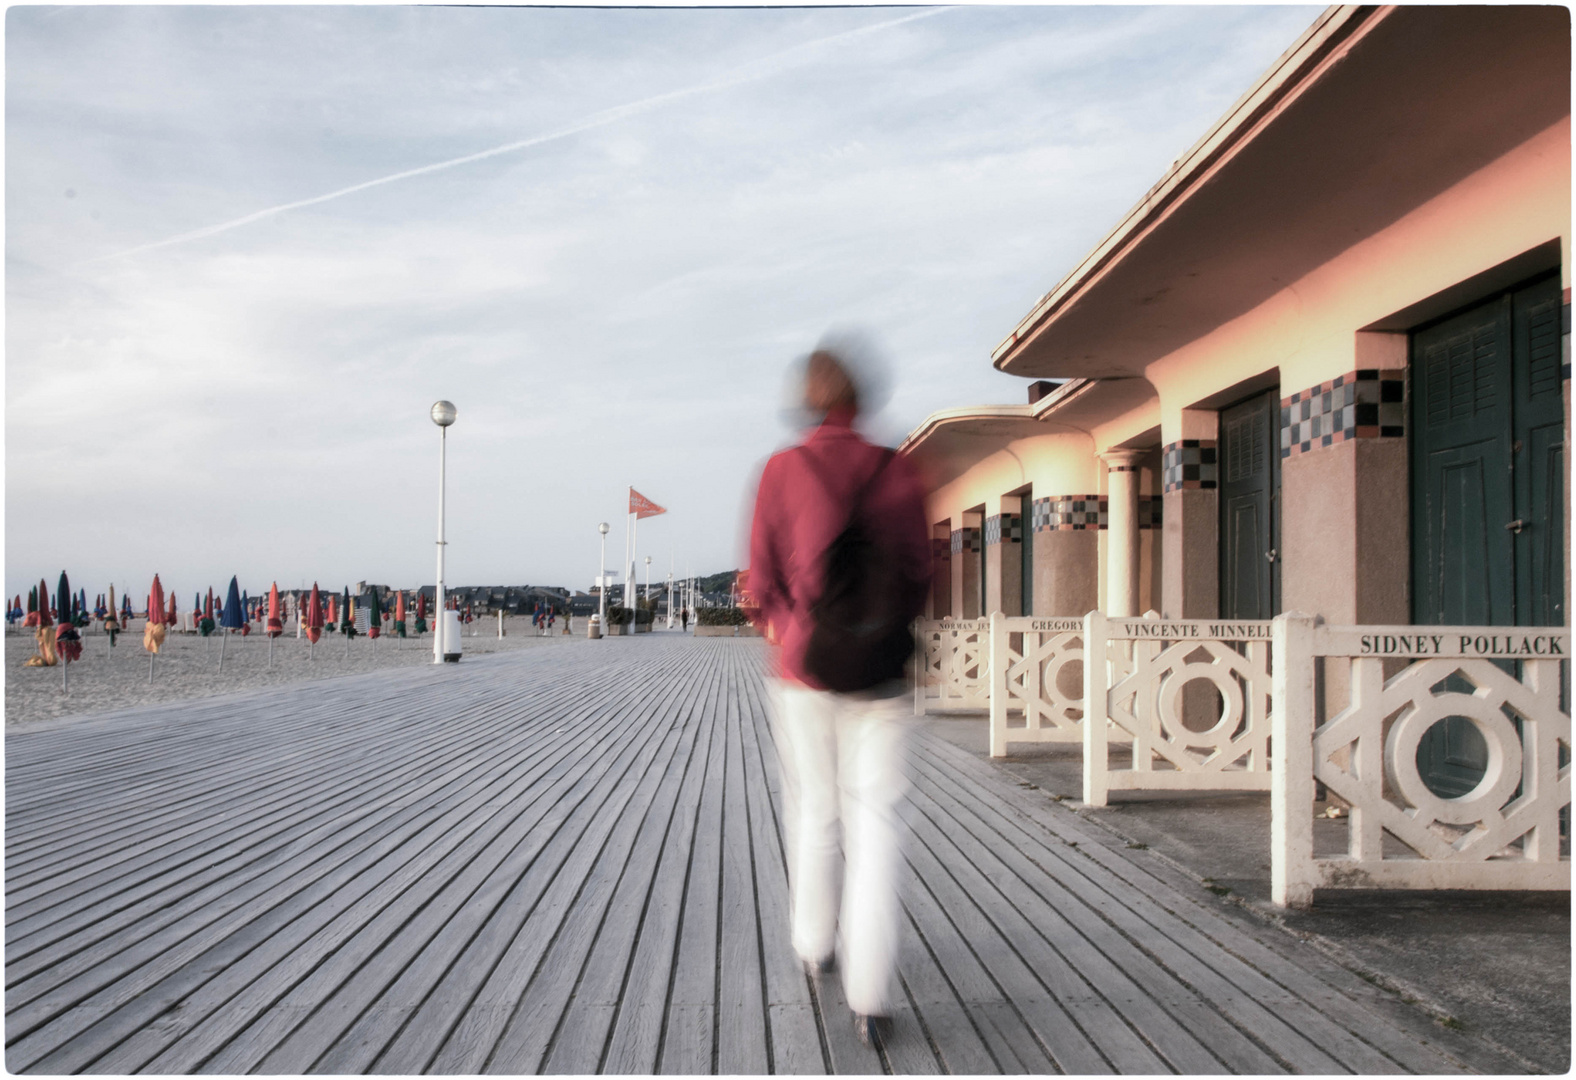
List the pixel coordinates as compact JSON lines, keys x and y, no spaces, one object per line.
{"x":643,"y":507}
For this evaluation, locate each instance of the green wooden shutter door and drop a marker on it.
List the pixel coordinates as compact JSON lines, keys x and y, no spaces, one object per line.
{"x":1462,"y":570}
{"x":1538,"y":456}
{"x":1249,"y":481}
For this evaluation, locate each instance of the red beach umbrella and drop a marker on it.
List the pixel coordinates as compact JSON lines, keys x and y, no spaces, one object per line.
{"x":421,"y":613}
{"x":314,"y":616}
{"x":43,"y":605}
{"x":399,"y":613}
{"x":169,"y":614}
{"x":276,"y":625}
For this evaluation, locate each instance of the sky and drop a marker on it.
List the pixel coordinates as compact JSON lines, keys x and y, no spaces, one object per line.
{"x":248,"y":247}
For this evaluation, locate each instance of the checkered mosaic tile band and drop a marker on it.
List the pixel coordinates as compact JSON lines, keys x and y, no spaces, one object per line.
{"x":965,"y":540}
{"x":940,"y":549}
{"x":1074,"y":513}
{"x":1064,"y":513}
{"x":1189,"y":464}
{"x":999,"y":527}
{"x":1369,"y":403}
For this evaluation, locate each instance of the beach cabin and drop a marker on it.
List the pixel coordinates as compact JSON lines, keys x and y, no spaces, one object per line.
{"x":1323,"y":364}
{"x":1323,"y":367}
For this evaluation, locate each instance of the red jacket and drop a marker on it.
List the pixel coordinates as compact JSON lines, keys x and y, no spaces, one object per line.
{"x":801,"y":507}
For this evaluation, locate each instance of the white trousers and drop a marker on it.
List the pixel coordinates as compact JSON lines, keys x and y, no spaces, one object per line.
{"x":843,"y":776}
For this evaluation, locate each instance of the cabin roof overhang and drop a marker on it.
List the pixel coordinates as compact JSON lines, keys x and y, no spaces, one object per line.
{"x":1371,"y":113}
{"x":949,"y":442}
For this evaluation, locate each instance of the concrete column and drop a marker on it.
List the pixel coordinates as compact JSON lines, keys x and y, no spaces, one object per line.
{"x":1122,"y":539}
{"x":993,"y":579}
{"x":941,"y":570}
{"x":1003,"y":558}
{"x":1345,"y":517}
{"x":1190,"y":530}
{"x":1066,"y":572}
{"x":967,"y":563}
{"x":955,"y":578}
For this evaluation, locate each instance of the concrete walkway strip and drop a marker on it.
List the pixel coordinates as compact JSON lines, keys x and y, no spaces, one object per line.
{"x":570,"y":861}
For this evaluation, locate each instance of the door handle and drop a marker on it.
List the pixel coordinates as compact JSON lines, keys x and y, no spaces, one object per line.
{"x":1516,"y":526}
{"x":1270,"y":555}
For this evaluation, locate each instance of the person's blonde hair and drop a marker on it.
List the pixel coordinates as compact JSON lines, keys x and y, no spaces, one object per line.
{"x":827,"y":384}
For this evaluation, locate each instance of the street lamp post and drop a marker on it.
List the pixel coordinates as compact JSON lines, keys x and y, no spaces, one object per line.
{"x":601,"y":581}
{"x":648,"y":589}
{"x":443,"y":415}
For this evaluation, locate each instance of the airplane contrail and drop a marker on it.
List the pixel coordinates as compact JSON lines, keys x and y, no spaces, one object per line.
{"x":753,"y":71}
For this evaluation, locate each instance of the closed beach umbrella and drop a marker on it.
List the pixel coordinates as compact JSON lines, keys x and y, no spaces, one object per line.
{"x":232,"y":617}
{"x":347,"y":622}
{"x":375,"y":618}
{"x":169,"y":613}
{"x":111,"y":621}
{"x":314,"y":616}
{"x":125,"y":610}
{"x":68,"y":643}
{"x":31,"y":618}
{"x":44,"y":607}
{"x":153,"y":632}
{"x":421,"y":613}
{"x":276,"y":625}
{"x":206,"y":624}
{"x":399,"y":613}
{"x":333,"y":614}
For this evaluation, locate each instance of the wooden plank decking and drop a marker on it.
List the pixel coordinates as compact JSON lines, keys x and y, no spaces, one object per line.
{"x":568,"y":860}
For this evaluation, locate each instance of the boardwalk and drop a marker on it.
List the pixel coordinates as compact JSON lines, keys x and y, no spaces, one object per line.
{"x":568,"y":861}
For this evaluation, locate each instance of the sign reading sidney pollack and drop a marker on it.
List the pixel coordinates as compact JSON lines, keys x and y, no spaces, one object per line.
{"x":1474,"y":642}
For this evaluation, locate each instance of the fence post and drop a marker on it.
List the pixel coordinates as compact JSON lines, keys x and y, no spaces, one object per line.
{"x":1096,"y":704}
{"x":998,"y":685}
{"x":1291,"y":771}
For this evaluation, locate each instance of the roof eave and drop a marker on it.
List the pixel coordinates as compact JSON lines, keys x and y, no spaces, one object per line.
{"x":1335,"y":26}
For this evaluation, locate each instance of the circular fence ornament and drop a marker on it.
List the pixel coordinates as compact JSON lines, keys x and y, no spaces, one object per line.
{"x":1499,"y":780}
{"x":1223,"y":674}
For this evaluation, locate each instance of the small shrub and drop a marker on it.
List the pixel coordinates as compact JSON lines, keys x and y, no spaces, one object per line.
{"x":618,"y":615}
{"x":720,"y":616}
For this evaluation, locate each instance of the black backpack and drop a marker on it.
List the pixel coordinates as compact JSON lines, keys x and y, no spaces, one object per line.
{"x":860,"y":634}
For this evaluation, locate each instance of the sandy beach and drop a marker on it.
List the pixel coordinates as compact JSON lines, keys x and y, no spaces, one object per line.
{"x":188,"y":665}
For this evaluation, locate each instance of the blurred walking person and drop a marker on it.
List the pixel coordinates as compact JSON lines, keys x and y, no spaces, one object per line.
{"x":839,"y":566}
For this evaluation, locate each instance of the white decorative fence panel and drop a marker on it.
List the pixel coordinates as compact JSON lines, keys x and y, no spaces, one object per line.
{"x":952,"y":669}
{"x":1041,"y":680}
{"x":1136,"y":677}
{"x":1502,"y":834}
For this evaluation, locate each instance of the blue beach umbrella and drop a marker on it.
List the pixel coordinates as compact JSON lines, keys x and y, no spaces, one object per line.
{"x":231,"y":618}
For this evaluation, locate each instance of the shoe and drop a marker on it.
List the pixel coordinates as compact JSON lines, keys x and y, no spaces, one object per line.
{"x":824,"y":966}
{"x":874,"y":1031}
